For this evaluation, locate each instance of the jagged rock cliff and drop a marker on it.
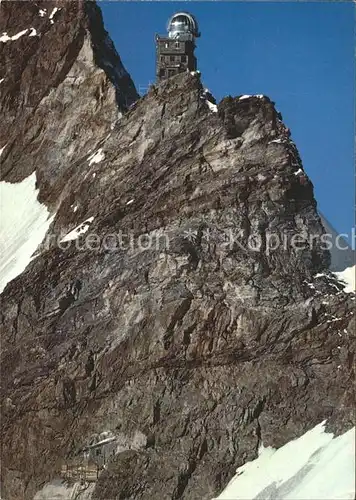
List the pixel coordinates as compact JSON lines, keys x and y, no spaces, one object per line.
{"x":181,"y":332}
{"x":61,"y":77}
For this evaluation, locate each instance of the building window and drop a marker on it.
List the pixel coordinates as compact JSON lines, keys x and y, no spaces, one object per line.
{"x":162,"y":58}
{"x":166,"y":45}
{"x":172,"y":58}
{"x":184,"y":59}
{"x":177,"y":45}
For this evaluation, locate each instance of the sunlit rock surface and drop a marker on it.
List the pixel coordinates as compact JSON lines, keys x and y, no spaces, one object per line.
{"x":154,"y":351}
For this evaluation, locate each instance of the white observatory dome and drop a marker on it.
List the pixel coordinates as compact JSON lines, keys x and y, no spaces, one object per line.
{"x":183,"y":25}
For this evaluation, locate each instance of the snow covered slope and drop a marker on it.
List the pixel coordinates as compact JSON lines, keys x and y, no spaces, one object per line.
{"x":59,"y":490}
{"x":23,"y":225}
{"x":348,"y":278}
{"x":316,"y":466}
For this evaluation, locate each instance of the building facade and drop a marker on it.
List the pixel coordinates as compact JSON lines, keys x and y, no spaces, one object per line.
{"x":175,"y":52}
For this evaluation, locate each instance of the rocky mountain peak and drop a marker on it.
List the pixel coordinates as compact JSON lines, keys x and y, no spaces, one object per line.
{"x":61,"y":79}
{"x":169,"y":324}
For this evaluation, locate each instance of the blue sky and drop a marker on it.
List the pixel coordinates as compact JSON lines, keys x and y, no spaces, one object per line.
{"x":300,"y":54}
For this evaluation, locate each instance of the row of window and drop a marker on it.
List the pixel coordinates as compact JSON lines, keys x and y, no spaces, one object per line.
{"x":172,"y":44}
{"x":181,"y":58}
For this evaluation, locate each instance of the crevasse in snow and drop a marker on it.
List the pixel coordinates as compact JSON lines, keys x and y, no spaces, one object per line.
{"x":23,"y":225}
{"x":315,"y":466}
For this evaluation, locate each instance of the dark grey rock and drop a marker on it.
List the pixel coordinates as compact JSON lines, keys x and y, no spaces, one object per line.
{"x":195,"y":350}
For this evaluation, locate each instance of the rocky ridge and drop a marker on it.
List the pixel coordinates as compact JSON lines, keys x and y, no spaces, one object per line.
{"x":188,"y":353}
{"x":62,"y":90}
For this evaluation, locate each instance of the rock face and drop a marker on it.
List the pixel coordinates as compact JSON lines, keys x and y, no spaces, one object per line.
{"x":60,"y":81}
{"x":176,"y":327}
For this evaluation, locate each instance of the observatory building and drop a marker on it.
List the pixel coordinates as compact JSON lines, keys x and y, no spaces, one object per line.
{"x":175,"y":52}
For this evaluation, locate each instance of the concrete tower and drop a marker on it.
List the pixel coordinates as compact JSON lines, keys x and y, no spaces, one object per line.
{"x":175,"y":52}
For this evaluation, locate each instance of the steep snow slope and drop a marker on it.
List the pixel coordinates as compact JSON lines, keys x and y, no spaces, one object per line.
{"x":316,"y":466}
{"x":23,"y":225}
{"x":348,"y":277}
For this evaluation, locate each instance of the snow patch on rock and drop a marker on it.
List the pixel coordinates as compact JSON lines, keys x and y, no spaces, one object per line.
{"x":312,"y":467}
{"x":78,"y":231}
{"x":247,"y":96}
{"x":53,"y":13}
{"x":347,"y":277}
{"x":6,"y":38}
{"x":212,"y":107}
{"x":23,"y":226}
{"x":96,"y":157}
{"x":277,"y":141}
